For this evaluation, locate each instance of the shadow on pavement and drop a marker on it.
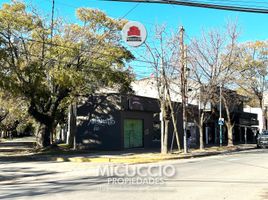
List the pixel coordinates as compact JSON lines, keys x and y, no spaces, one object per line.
{"x":19,"y":182}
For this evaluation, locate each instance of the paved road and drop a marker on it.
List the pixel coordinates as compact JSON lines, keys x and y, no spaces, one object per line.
{"x":239,"y":176}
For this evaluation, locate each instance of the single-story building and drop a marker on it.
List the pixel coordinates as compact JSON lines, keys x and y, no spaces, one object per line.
{"x":115,"y":122}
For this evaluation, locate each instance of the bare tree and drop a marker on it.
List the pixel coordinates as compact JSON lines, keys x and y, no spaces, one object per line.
{"x":163,"y":57}
{"x":212,"y":58}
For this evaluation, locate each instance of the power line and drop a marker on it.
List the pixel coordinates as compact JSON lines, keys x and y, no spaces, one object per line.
{"x":137,"y":73}
{"x":200,"y":5}
{"x":241,"y":1}
{"x":120,"y":18}
{"x":64,"y":62}
{"x":130,"y":11}
{"x":231,"y":3}
{"x":93,"y":52}
{"x":85,"y":51}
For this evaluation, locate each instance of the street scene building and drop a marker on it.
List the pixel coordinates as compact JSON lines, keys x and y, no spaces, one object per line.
{"x":114,"y":121}
{"x":133,"y":99}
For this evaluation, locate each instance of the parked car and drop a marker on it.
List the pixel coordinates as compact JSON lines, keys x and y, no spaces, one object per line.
{"x":262,"y":140}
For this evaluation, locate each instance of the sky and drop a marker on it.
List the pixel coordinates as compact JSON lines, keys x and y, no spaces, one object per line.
{"x":252,"y":26}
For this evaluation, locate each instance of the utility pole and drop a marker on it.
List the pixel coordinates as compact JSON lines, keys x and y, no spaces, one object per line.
{"x":52,"y":19}
{"x":183,"y":88}
{"x":220,"y":115}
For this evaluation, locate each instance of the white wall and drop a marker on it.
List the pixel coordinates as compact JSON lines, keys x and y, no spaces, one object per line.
{"x":257,"y":111}
{"x":147,"y":87}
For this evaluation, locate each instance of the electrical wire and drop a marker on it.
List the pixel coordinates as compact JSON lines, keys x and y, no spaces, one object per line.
{"x":85,"y":51}
{"x":93,"y":62}
{"x":231,"y":3}
{"x":201,"y":5}
{"x":247,"y":3}
{"x":96,"y":52}
{"x":120,"y":18}
{"x":132,"y":9}
{"x":93,"y":52}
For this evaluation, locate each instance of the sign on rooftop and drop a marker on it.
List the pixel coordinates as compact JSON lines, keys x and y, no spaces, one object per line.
{"x":134,"y":33}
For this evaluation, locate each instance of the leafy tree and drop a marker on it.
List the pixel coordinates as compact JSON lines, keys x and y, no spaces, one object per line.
{"x":50,"y":70}
{"x":13,"y":113}
{"x":253,"y":72}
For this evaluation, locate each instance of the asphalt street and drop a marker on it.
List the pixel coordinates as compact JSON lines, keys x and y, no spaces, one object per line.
{"x":241,"y":176}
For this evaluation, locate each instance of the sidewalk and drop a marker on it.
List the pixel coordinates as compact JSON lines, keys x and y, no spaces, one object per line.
{"x":16,"y":146}
{"x":20,"y":150}
{"x":138,"y":157}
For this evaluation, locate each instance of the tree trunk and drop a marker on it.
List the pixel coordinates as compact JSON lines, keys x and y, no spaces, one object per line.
{"x":46,"y":117}
{"x":201,"y":134}
{"x":46,"y":126}
{"x":165,"y":141}
{"x":2,"y":134}
{"x":63,"y":134}
{"x":71,"y":126}
{"x":201,"y":137}
{"x":52,"y":136}
{"x":162,"y":117}
{"x":43,"y":135}
{"x":264,"y":112}
{"x":230,"y":134}
{"x":228,"y":123}
{"x":174,"y":121}
{"x":264,"y":119}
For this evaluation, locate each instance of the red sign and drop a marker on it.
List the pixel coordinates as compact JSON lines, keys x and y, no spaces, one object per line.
{"x":134,"y":34}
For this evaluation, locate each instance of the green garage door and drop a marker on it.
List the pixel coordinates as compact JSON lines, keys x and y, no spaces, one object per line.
{"x":133,"y":133}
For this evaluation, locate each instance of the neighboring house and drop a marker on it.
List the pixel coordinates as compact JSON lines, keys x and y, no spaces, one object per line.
{"x":257,"y":111}
{"x":245,"y":122}
{"x":263,"y":123}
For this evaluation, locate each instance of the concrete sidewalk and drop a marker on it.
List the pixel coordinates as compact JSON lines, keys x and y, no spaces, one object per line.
{"x":16,"y":146}
{"x":134,"y":157}
{"x":20,"y":150}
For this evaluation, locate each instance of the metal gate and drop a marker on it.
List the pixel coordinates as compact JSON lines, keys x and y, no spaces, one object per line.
{"x":133,"y":133}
